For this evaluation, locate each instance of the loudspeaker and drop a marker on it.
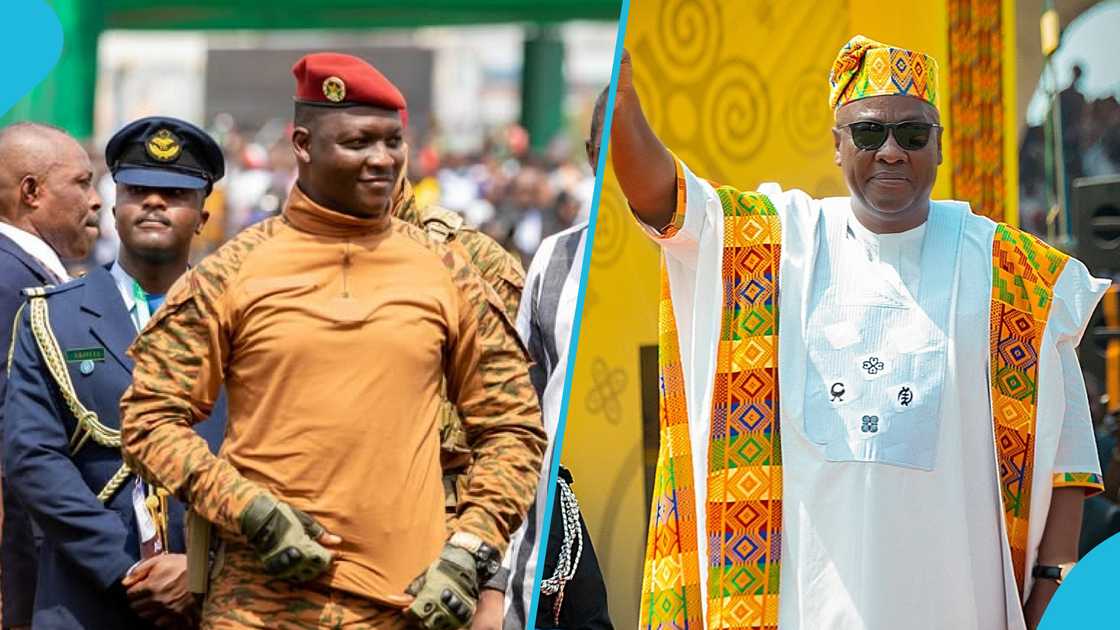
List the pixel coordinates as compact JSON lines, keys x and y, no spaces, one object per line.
{"x":1099,"y":351}
{"x":1095,"y":203}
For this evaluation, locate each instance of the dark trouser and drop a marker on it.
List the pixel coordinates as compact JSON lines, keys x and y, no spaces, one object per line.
{"x":19,"y":562}
{"x":585,"y":596}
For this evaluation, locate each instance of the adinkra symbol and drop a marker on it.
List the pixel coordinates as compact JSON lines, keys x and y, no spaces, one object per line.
{"x":869,"y":424}
{"x":905,"y":397}
{"x":873,"y":365}
{"x":837,"y":390}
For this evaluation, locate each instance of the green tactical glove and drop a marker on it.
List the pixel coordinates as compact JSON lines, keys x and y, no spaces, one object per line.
{"x":447,"y":593}
{"x":284,"y":539}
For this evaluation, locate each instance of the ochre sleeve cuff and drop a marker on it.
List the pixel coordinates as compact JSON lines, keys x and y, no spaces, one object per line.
{"x":1092,"y":482}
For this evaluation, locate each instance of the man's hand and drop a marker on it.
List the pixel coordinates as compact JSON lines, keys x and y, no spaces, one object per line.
{"x":491,"y":608}
{"x":1036,"y":604}
{"x":157,"y":590}
{"x":646,"y":171}
{"x":625,"y":87}
{"x":289,"y":543}
{"x":447,"y":593}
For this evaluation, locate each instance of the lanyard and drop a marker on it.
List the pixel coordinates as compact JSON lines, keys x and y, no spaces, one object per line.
{"x":140,"y":313}
{"x":144,"y":304}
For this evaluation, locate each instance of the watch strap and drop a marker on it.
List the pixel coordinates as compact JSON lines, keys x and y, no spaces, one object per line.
{"x":499,"y":581}
{"x":1047,"y":572}
{"x":1057,"y":572}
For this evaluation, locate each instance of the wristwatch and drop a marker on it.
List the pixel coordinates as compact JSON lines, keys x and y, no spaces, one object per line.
{"x":1057,"y":573}
{"x":486,"y":558}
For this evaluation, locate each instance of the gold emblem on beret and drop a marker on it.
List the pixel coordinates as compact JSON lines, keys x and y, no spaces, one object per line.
{"x":163,"y":146}
{"x":334,"y":89}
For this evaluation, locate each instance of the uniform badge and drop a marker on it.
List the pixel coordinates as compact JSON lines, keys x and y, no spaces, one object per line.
{"x":163,"y":146}
{"x":82,"y":355}
{"x":334,"y":89}
{"x":86,"y":367}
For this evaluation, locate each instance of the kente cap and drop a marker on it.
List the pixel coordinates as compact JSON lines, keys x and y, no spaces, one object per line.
{"x":163,"y":152}
{"x":865,"y":67}
{"x":337,"y":80}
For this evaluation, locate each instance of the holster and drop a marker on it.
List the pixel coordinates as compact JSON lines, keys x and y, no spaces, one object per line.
{"x":198,"y":553}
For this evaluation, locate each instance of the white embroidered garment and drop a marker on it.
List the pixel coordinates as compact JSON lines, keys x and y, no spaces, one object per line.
{"x":544,"y":322}
{"x":891,"y":508}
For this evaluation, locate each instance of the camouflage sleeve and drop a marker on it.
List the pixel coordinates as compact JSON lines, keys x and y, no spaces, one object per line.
{"x":179,"y":367}
{"x":488,"y":378}
{"x":498,"y":267}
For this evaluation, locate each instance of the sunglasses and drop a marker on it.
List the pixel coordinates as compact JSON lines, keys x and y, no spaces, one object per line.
{"x":869,"y":135}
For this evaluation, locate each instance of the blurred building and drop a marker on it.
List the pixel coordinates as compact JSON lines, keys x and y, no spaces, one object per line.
{"x":499,"y":98}
{"x":538,"y":37}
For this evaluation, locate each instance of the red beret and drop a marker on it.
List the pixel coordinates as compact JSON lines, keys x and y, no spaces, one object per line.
{"x":343,"y":81}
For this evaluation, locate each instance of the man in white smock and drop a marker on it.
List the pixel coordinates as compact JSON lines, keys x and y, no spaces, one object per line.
{"x":927,"y":463}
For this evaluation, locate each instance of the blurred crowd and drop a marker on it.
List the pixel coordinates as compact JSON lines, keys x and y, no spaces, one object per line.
{"x":515,"y":195}
{"x":512,"y":195}
{"x":1090,"y":148}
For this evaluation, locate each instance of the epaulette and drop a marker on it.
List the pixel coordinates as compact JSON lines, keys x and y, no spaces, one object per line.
{"x":50,"y":289}
{"x":440,"y":224}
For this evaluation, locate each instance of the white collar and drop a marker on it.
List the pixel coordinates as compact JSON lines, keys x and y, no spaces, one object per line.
{"x":36,"y":248}
{"x":125,"y":285}
{"x":913,"y":236}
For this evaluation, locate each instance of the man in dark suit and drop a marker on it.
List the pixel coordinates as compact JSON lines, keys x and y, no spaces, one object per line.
{"x":112,"y":551}
{"x":48,"y":212}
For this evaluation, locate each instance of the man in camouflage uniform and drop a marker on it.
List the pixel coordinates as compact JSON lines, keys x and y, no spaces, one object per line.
{"x":336,"y":328}
{"x":503,"y":272}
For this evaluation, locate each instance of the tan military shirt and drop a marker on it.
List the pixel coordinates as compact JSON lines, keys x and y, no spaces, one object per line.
{"x":333,"y":335}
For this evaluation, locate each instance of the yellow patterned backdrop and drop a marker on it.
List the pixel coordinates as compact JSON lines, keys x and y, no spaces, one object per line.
{"x":738,"y":89}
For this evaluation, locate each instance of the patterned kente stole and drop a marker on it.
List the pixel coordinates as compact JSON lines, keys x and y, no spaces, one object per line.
{"x":1024,"y":271}
{"x":744,"y":514}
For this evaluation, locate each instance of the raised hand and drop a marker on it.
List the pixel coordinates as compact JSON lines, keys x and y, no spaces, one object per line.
{"x":644,"y":167}
{"x":625,"y":78}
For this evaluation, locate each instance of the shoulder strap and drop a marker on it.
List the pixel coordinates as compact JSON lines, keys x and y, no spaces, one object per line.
{"x":89,"y":427}
{"x":440,"y":224}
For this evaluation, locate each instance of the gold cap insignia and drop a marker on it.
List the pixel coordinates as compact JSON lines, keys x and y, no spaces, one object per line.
{"x":334,"y":89}
{"x":163,"y":146}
